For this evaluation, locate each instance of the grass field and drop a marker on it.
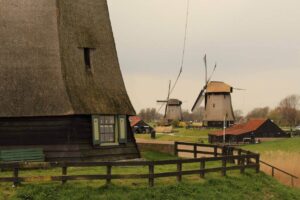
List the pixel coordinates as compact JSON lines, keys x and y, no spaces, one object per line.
{"x":291,"y":145}
{"x":234,"y":186}
{"x":284,"y":154}
{"x":180,"y":134}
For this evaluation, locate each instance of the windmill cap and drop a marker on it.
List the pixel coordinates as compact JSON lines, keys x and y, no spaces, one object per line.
{"x":218,"y":87}
{"x":174,"y":102}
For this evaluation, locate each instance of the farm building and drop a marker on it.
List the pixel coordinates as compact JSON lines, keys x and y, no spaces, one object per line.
{"x":253,"y":129}
{"x":139,"y":126}
{"x":61,"y":87}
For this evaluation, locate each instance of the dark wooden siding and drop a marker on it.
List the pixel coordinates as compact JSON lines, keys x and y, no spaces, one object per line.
{"x":64,"y":138}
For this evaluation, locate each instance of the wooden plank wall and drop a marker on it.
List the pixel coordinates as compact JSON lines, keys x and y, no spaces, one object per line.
{"x":64,"y":138}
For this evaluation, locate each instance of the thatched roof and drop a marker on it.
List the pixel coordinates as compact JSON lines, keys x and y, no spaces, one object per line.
{"x":218,"y":87}
{"x":42,"y":68}
{"x":174,"y":102}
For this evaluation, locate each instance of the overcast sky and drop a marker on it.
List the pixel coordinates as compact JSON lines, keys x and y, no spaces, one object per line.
{"x":256,"y":44}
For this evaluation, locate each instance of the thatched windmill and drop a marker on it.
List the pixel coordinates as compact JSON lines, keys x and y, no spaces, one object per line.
{"x":217,"y":101}
{"x":61,"y":86}
{"x":173,"y":109}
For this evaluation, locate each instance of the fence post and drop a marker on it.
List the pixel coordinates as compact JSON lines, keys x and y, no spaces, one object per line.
{"x":16,"y":177}
{"x":215,"y":151}
{"x":242,"y":160}
{"x":248,"y":159}
{"x":202,"y":167}
{"x":64,"y":173}
{"x":223,"y":166}
{"x":257,"y":163}
{"x":230,"y":153}
{"x":175,"y":148}
{"x":239,"y":154}
{"x":292,"y":181}
{"x":179,"y":170}
{"x":273,"y":172}
{"x":195,"y":151}
{"x":151,"y":174}
{"x":108,"y":173}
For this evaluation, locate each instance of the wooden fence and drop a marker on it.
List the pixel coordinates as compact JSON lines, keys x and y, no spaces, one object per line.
{"x":219,"y":150}
{"x":280,"y":170}
{"x":209,"y":149}
{"x":244,"y":161}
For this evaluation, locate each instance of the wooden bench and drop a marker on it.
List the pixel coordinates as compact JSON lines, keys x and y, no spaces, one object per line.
{"x":17,"y":155}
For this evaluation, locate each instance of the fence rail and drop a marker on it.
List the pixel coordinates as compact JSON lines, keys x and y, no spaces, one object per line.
{"x":226,"y":151}
{"x":242,"y":164}
{"x":280,"y":170}
{"x":216,"y":150}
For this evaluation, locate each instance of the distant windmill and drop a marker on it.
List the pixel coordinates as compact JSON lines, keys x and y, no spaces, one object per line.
{"x":217,"y":101}
{"x":172,"y":108}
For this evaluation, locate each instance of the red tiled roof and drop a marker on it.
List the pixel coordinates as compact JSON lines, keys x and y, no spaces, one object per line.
{"x":134,"y":120}
{"x":250,"y":126}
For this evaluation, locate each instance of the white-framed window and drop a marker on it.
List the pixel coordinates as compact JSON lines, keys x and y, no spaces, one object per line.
{"x":109,"y":129}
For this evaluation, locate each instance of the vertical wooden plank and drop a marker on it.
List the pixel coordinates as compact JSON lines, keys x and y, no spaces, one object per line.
{"x":239,"y":154}
{"x":16,"y":177}
{"x":230,"y":153}
{"x":176,"y":149}
{"x":151,"y":175}
{"x":216,"y":151}
{"x":179,"y":170}
{"x":257,"y":163}
{"x":202,"y":167}
{"x":224,"y":161}
{"x":292,"y":181}
{"x":64,"y":173}
{"x":195,"y":151}
{"x":273,"y":172}
{"x":242,"y":160}
{"x":248,"y":159}
{"x":108,"y":173}
{"x":223,"y":151}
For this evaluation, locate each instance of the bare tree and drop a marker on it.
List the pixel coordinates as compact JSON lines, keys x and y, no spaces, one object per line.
{"x":196,"y":116}
{"x":258,"y":113}
{"x":275,"y":115}
{"x":238,"y":114}
{"x":289,"y":109}
{"x":149,"y":114}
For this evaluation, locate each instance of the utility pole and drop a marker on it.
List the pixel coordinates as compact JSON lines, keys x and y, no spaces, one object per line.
{"x":224,"y":131}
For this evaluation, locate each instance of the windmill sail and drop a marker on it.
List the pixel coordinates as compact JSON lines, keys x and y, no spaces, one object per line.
{"x":168,"y":97}
{"x":199,"y":99}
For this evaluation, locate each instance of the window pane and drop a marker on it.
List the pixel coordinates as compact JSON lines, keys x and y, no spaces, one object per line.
{"x":107,"y":129}
{"x":101,"y":119}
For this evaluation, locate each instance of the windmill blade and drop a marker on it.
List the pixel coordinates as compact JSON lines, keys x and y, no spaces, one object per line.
{"x":239,"y":89}
{"x":169,"y":91}
{"x":199,"y":100}
{"x":205,"y":65}
{"x":161,"y":101}
{"x":215,"y":67}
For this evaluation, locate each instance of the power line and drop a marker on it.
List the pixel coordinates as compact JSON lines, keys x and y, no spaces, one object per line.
{"x":183,"y":51}
{"x":184,"y":46}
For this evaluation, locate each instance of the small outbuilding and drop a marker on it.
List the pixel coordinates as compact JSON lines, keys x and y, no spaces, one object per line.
{"x":250,"y":131}
{"x":139,"y":126}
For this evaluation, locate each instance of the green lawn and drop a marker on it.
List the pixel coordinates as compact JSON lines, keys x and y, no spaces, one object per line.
{"x":181,"y":134}
{"x":286,"y":145}
{"x":214,"y":186}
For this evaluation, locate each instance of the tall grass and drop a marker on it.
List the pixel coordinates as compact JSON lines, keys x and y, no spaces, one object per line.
{"x":284,"y":154}
{"x":287,"y":161}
